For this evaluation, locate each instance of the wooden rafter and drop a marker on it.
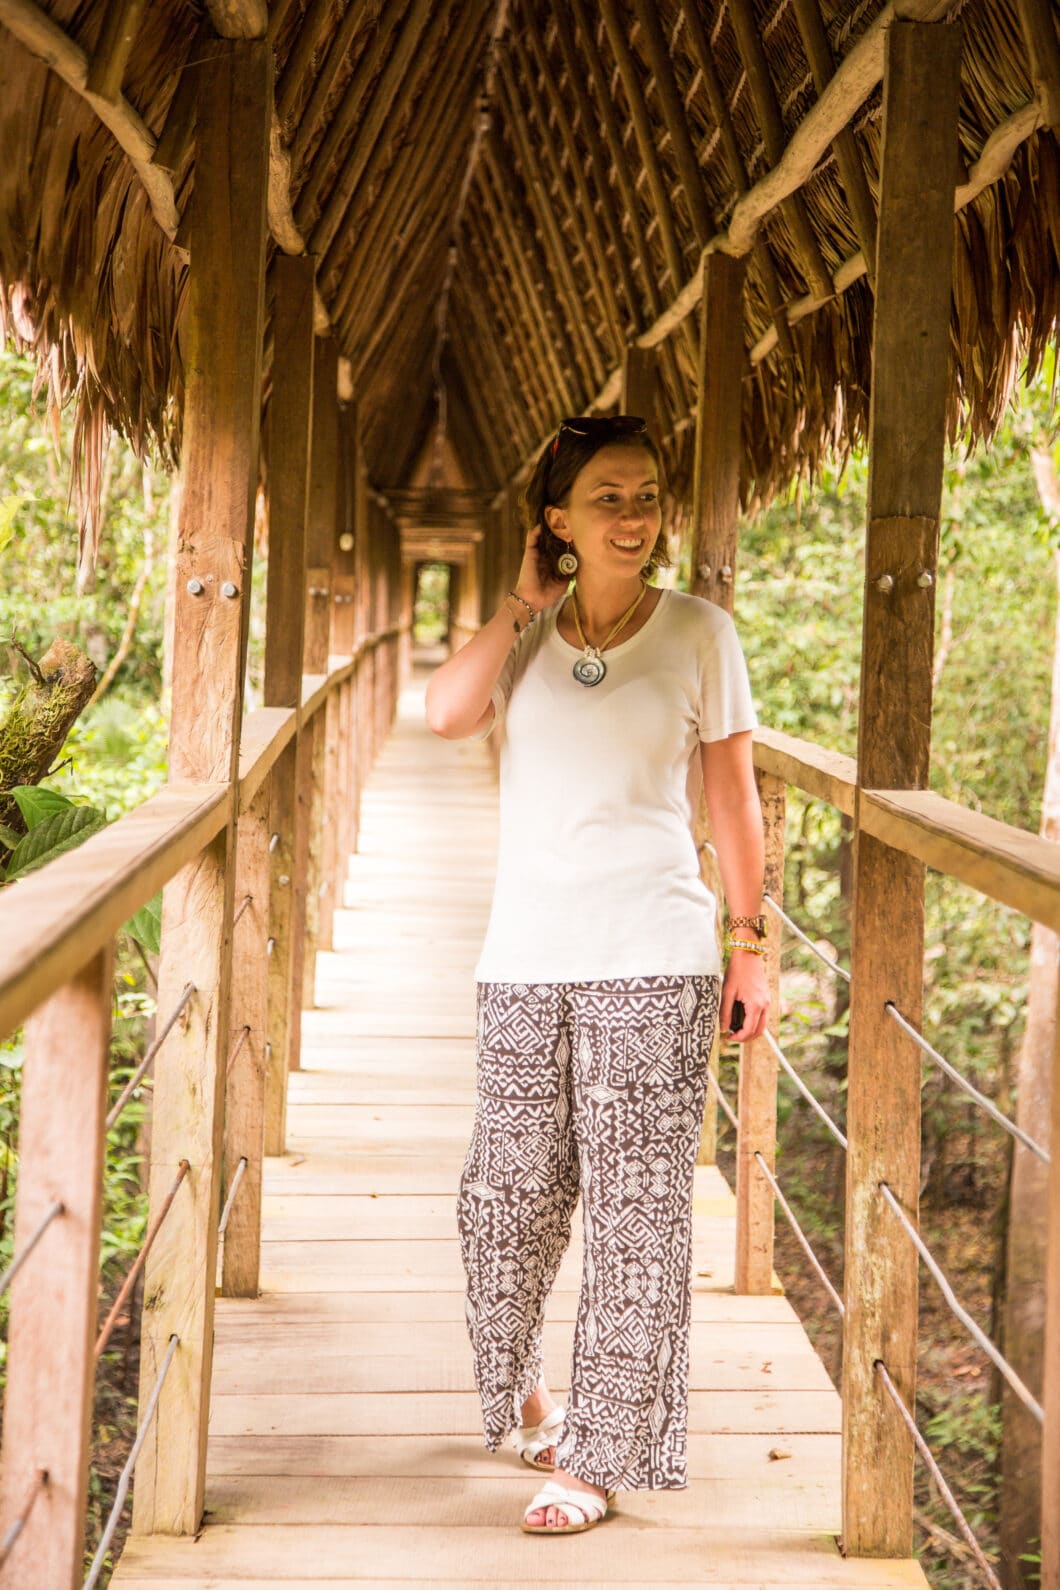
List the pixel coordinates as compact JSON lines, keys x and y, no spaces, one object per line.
{"x":577,"y":93}
{"x":106,"y":71}
{"x":372,"y":126}
{"x":519,"y":335}
{"x":615,"y":29}
{"x":613,"y":137}
{"x":484,"y":342}
{"x":587,"y":221}
{"x":848,"y":159}
{"x":753,"y":56}
{"x":555,"y":250}
{"x":675,"y":118}
{"x":336,"y":140}
{"x":491,"y":178}
{"x":354,"y":20}
{"x":719,"y":108}
{"x":411,"y":172}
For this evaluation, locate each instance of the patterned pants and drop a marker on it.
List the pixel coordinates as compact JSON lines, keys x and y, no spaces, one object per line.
{"x":595,"y":1088}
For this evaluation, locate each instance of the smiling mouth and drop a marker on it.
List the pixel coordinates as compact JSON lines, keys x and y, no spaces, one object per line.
{"x":628,"y":544}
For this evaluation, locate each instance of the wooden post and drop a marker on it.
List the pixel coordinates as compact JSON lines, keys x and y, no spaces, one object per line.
{"x":757,"y":1106}
{"x":343,"y":628}
{"x":1050,"y":1571}
{"x":320,"y":538}
{"x":290,"y":426}
{"x":51,"y":1364}
{"x":224,"y":317}
{"x":245,"y":1072}
{"x":907,"y":435}
{"x":716,"y":513}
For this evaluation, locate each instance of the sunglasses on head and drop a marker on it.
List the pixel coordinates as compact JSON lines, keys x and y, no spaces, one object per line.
{"x":596,"y":426}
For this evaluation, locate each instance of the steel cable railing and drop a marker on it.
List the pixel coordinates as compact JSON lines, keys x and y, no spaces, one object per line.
{"x":230,"y":1200}
{"x":833,"y":966}
{"x":141,"y":1258}
{"x":800,"y":1234}
{"x":125,"y":1476}
{"x":962,"y":1082}
{"x":733,"y":1118}
{"x":18,"y":1523}
{"x":127,"y":1091}
{"x":811,"y":1098}
{"x":938,"y":1476}
{"x":1001,"y":1363}
{"x":54,"y":1209}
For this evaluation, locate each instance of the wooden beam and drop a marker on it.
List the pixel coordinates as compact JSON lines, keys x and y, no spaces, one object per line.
{"x":224,"y":324}
{"x":907,"y":438}
{"x":640,"y":383}
{"x":290,"y":429}
{"x":1050,"y":1473}
{"x":51,"y":1364}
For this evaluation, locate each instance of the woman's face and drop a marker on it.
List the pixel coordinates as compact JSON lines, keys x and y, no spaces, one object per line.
{"x":613,"y":516}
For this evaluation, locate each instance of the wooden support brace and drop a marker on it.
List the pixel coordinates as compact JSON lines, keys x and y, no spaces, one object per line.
{"x":51,"y":1364}
{"x":1050,"y":1569}
{"x":907,"y":436}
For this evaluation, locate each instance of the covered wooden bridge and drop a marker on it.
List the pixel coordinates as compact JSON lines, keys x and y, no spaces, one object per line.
{"x":364,"y":256}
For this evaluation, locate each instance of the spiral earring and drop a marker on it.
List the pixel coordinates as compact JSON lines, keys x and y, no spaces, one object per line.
{"x":567,"y":563}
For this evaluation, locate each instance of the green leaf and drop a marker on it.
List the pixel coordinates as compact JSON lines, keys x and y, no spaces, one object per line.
{"x":62,"y":831}
{"x":36,"y":803}
{"x":8,"y":837}
{"x":146,"y":926}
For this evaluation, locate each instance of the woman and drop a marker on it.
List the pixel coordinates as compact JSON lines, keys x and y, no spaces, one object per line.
{"x":599,"y":982}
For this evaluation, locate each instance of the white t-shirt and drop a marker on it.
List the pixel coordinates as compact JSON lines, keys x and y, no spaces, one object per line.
{"x":597,"y":871}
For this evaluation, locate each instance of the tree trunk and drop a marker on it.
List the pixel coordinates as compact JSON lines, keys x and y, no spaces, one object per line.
{"x":1020,"y":1501}
{"x":35,"y":726}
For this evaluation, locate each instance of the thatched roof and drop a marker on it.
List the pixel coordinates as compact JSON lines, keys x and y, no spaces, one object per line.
{"x":544,"y":198}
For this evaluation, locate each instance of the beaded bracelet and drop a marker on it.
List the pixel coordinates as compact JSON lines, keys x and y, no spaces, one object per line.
{"x":744,"y":944}
{"x":531,"y":610}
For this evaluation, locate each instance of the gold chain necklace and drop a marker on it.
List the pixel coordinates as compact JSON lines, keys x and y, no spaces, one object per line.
{"x":590,"y":667}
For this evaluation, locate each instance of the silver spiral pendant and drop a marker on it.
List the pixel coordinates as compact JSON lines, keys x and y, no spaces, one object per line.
{"x":590,"y":668}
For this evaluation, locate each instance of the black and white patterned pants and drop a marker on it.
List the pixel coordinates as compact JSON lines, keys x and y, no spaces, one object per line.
{"x":597,"y":1088}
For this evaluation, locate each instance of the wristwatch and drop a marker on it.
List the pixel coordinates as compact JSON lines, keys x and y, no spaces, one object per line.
{"x":756,"y":923}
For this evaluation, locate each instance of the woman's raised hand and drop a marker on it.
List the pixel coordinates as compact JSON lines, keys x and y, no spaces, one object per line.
{"x":539,"y":591}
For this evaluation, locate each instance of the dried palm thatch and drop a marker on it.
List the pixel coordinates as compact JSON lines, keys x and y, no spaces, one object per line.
{"x":622,"y":139}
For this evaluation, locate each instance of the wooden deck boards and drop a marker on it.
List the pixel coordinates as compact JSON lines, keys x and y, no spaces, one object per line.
{"x":345,"y":1445}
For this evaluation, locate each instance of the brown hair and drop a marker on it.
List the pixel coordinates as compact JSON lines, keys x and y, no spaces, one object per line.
{"x":550,"y":485}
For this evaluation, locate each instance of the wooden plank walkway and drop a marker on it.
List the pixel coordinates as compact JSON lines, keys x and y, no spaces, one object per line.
{"x":345,"y":1445}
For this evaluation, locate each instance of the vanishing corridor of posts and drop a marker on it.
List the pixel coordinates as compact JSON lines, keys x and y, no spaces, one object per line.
{"x":302,"y":369}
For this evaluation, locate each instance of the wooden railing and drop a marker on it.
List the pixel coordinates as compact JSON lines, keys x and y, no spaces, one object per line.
{"x":1016,"y":868}
{"x":58,"y":928}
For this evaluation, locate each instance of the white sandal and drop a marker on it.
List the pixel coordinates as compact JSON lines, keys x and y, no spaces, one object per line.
{"x":583,"y":1509}
{"x":530,"y":1439}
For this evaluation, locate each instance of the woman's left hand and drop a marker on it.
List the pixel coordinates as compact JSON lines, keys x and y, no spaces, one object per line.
{"x":745,"y":980}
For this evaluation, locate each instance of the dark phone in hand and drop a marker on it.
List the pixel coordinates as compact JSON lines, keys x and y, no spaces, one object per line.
{"x":736,"y":1018}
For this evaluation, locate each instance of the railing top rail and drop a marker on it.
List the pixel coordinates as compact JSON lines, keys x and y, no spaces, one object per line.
{"x":827,"y":775}
{"x":52,"y":921}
